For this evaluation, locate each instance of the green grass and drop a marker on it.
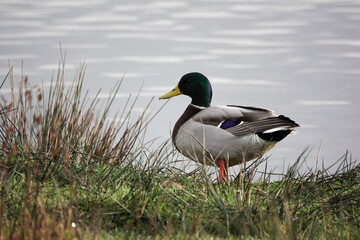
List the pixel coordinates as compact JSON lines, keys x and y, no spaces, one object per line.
{"x":67,"y":172}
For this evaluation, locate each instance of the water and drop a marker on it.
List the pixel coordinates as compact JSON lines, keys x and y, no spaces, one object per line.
{"x":301,"y":59}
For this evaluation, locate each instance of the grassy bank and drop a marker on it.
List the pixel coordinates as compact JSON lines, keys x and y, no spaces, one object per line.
{"x":67,"y":172}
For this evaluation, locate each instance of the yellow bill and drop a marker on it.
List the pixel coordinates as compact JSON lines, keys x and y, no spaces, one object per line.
{"x":172,"y":93}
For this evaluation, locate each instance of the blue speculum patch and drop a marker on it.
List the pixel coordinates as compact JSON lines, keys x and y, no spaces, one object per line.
{"x":229,"y":123}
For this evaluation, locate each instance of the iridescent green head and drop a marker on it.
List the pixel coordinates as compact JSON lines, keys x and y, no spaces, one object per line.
{"x":194,"y":85}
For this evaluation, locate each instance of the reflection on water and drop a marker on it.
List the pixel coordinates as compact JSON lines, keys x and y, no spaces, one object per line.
{"x":254,"y":51}
{"x":299,"y":58}
{"x":342,"y":42}
{"x":240,"y":81}
{"x":324,"y":102}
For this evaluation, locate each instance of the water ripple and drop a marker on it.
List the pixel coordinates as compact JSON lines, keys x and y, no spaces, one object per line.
{"x":149,"y":6}
{"x":323,"y":102}
{"x":255,"y":32}
{"x":257,"y":82}
{"x":344,"y":42}
{"x":204,"y":15}
{"x":250,"y":51}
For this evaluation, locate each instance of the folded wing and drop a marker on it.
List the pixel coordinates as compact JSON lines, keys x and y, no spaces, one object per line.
{"x":241,"y":121}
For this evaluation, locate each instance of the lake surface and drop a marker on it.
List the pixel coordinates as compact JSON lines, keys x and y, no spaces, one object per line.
{"x":299,"y":58}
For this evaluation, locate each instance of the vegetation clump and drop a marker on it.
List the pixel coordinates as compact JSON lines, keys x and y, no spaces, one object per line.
{"x":68,"y":172}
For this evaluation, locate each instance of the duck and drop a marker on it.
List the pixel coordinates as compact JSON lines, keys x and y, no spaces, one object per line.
{"x":223,"y":136}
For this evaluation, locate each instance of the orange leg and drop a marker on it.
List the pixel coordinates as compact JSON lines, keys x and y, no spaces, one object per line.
{"x":223,"y":170}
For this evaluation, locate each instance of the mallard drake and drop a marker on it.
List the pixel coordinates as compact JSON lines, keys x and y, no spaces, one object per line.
{"x":223,"y":135}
